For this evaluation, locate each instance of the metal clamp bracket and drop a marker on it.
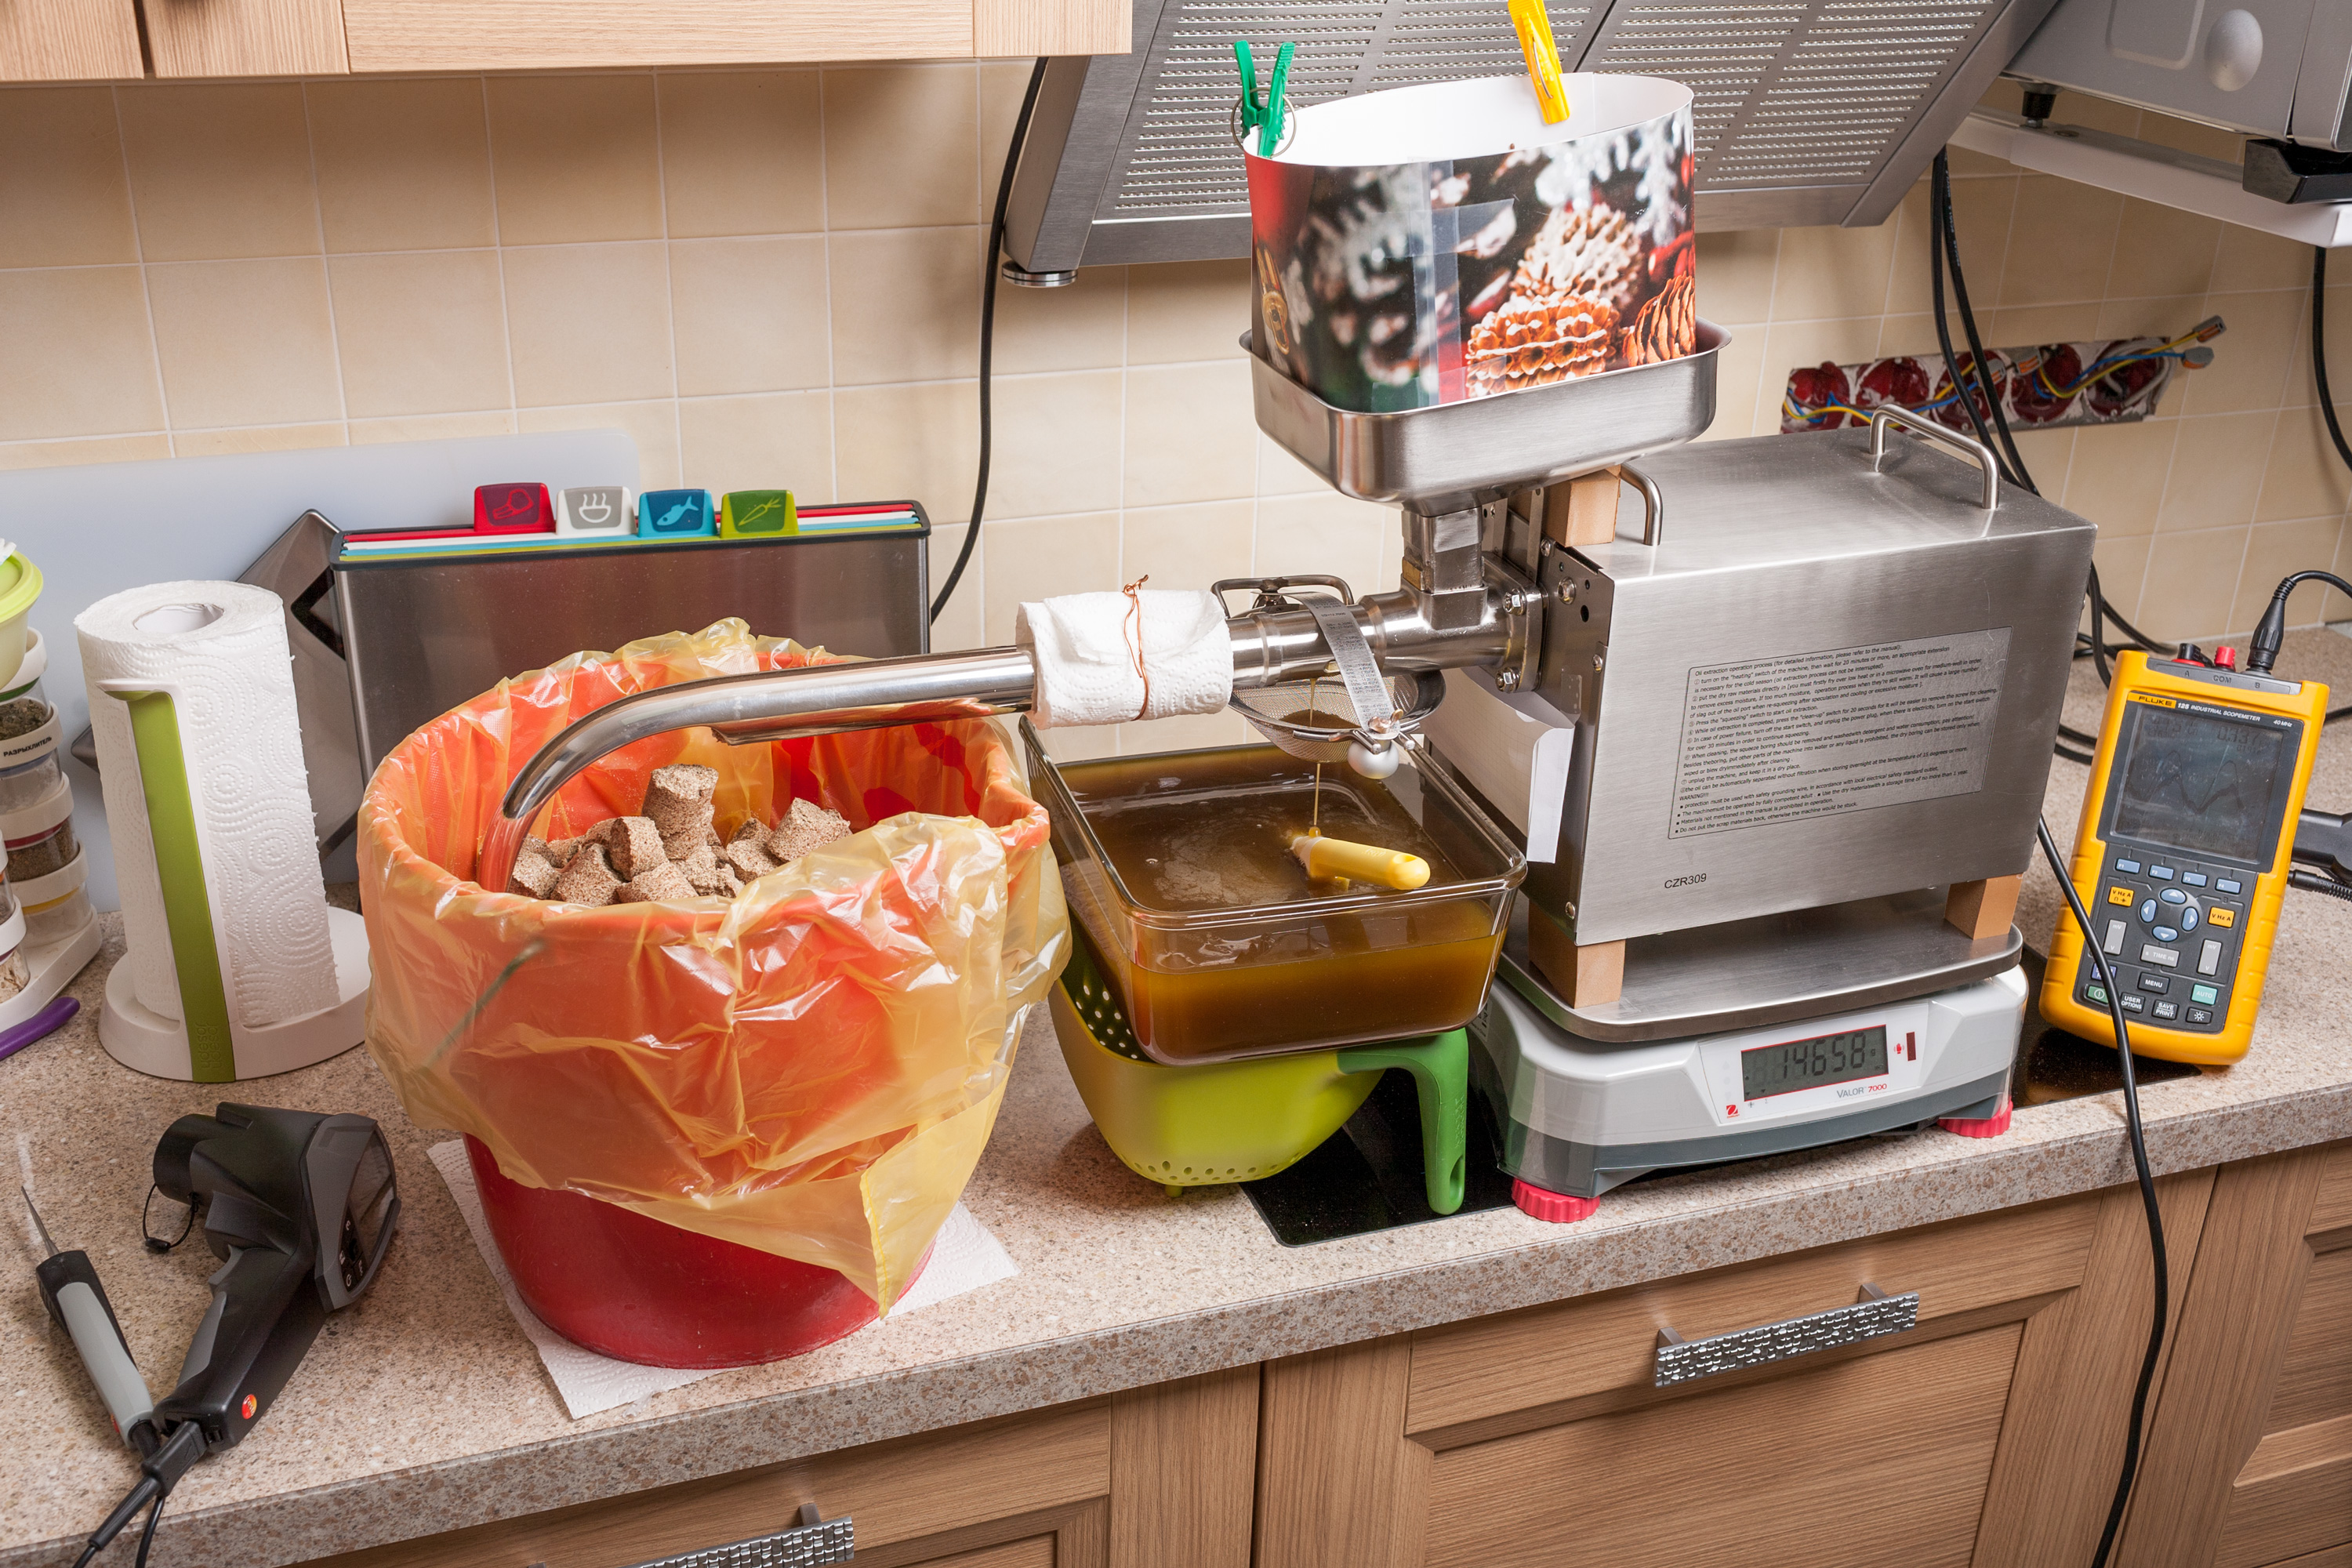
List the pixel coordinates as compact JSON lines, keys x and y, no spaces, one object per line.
{"x":1876,"y":1313}
{"x":809,"y":1543}
{"x":1367,"y":690}
{"x":1883,"y":419}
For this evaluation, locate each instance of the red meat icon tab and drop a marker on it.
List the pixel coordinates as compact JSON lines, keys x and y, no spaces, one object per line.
{"x":513,"y":508}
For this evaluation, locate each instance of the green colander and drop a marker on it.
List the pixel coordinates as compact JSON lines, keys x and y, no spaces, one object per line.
{"x":1237,"y":1122}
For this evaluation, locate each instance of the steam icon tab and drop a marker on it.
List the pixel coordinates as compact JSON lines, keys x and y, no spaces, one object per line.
{"x":593,"y":510}
{"x":675,"y":514}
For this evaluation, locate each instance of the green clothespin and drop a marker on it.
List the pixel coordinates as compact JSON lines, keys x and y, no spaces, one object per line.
{"x":1264,"y":115}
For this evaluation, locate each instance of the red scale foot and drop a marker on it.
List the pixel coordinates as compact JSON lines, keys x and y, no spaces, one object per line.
{"x":1558,"y":1207}
{"x":1992,"y":1126}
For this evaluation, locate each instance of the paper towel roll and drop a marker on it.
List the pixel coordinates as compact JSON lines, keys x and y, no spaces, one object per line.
{"x":222,"y":646}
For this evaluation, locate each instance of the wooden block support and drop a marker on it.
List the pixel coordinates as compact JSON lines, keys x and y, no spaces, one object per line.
{"x":1588,"y":976}
{"x":1582,"y":511}
{"x":1980,"y":909}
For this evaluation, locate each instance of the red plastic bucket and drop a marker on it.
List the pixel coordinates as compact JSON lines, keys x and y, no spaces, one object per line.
{"x":615,"y":1282}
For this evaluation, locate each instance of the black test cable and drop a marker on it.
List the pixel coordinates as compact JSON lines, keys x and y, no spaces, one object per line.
{"x":2319,"y":379}
{"x":988,"y":334}
{"x":1939,"y":204}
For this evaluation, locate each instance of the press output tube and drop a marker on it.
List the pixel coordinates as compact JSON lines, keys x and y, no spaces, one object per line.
{"x":1325,"y":857}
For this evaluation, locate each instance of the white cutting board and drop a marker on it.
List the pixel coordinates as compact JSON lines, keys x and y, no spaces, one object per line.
{"x":100,"y":529}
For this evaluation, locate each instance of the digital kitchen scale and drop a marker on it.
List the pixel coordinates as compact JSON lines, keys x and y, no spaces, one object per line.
{"x":1580,"y":1116}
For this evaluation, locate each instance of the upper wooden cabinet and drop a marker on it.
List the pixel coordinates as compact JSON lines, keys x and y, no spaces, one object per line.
{"x":68,"y":40}
{"x":65,"y":41}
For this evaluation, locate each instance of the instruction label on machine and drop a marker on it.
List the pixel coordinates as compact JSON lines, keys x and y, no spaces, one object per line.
{"x":1816,"y":734}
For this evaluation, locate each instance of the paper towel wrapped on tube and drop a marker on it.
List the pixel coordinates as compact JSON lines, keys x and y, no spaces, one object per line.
{"x":1106,"y":658}
{"x":236,"y":967}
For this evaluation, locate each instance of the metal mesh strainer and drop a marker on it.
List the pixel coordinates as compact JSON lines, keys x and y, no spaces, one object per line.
{"x":1275,"y":712}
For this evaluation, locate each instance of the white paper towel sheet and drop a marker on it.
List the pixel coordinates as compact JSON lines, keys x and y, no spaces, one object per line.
{"x":964,"y":1257}
{"x":222,"y":646}
{"x":1086,"y":645}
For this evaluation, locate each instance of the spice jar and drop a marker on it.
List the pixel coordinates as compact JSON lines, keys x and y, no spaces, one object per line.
{"x":40,"y":836}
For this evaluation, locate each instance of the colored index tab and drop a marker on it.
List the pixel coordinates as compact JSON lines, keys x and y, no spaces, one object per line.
{"x":675,"y":514}
{"x":513,"y":508}
{"x":593,"y":510}
{"x":757,"y":512}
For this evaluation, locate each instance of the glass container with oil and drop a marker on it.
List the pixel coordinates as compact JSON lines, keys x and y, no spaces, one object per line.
{"x":1179,"y":865}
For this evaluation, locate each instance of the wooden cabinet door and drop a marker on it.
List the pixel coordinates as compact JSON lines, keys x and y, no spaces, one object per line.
{"x":245,"y":37}
{"x":1159,"y":1477}
{"x":2249,"y":1454}
{"x":1988,"y":1434}
{"x":527,"y":34}
{"x":68,"y":40}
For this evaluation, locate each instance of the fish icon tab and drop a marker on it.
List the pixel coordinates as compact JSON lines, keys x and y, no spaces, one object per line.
{"x":513,"y":508}
{"x":758,"y":512}
{"x":675,"y":514}
{"x":593,"y":510}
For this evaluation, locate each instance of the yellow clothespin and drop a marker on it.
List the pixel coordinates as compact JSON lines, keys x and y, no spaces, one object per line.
{"x":1533,"y":27}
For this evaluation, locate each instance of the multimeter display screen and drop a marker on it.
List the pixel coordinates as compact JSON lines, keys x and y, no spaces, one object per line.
{"x":1801,"y":1064}
{"x":2197,"y":785}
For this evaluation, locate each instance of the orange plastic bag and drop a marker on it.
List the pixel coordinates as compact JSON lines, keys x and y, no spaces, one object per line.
{"x":811,"y":1069}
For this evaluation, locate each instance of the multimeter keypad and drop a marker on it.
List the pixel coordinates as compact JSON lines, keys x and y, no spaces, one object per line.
{"x":2174,"y":928}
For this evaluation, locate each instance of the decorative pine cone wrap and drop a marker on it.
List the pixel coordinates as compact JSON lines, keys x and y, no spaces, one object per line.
{"x":1533,"y":341}
{"x":1668,"y":327}
{"x":1593,"y":252}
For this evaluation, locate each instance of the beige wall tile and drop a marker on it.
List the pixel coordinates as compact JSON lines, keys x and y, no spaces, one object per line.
{"x":1002,"y":84}
{"x":1740,"y":396}
{"x":575,"y":158}
{"x":1917,"y":334}
{"x":1735,"y":274}
{"x":1080,"y":327}
{"x":88,"y":327}
{"x":901,"y":148}
{"x":742,"y":153}
{"x":2122,"y":563}
{"x":2251,"y":360}
{"x":1832,"y":273}
{"x":2274,"y":549}
{"x":2249,"y":258}
{"x":905,"y":305}
{"x":433,"y":426}
{"x":589,"y":323}
{"x":2117,"y":475}
{"x":90,"y":449}
{"x":1190,"y":433}
{"x":245,"y":342}
{"x":1280,"y":474}
{"x":1981,"y":211}
{"x":963,"y":620}
{"x":1056,"y":444}
{"x":2333,"y":607}
{"x":63,"y":202}
{"x":2162,"y":251}
{"x":2304,"y":477}
{"x":2217,"y":472}
{"x":403,"y":165}
{"x":1332,"y":534}
{"x":2301,"y":387}
{"x":779,"y":440}
{"x":750,"y":315}
{"x":1187,"y":310}
{"x":220,"y":170}
{"x":652,"y":425}
{"x":262,"y":438}
{"x":921,"y":441}
{"x":421,"y":332}
{"x":2048,"y":454}
{"x":1190,"y":547}
{"x":1036,"y":558}
{"x":2192,"y":581}
{"x":2061,"y":241}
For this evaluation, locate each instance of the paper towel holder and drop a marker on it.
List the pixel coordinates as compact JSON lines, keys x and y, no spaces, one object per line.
{"x":206,"y":1044}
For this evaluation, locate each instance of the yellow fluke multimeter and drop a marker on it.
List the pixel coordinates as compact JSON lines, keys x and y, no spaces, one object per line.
{"x":2187,"y":833}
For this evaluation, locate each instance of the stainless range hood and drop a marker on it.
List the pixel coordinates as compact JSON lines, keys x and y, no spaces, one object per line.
{"x":1808,"y":111}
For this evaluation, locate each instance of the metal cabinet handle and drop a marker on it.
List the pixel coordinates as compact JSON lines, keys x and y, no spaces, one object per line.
{"x":1883,"y":419}
{"x":1876,"y":1313}
{"x":1654,"y":505}
{"x":809,"y":1543}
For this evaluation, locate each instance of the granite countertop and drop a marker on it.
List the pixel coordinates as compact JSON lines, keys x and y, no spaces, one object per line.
{"x":424,"y":1409}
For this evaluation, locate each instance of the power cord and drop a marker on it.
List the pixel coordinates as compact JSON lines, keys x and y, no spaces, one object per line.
{"x":2319,"y":353}
{"x":1948,"y":234}
{"x":988,"y":334}
{"x":158,"y":1474}
{"x":2139,"y":1136}
{"x":1939,"y":198}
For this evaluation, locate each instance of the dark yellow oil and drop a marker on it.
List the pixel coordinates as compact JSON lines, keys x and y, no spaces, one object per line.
{"x":1205,"y":832}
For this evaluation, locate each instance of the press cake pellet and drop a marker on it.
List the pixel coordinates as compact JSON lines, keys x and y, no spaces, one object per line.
{"x":659,"y":882}
{"x":559,"y":853}
{"x":749,"y":858}
{"x":806,"y":827}
{"x":677,"y":797}
{"x":680,"y":842}
{"x":636,"y":847}
{"x":588,"y":879}
{"x":534,"y":874}
{"x":700,"y":866}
